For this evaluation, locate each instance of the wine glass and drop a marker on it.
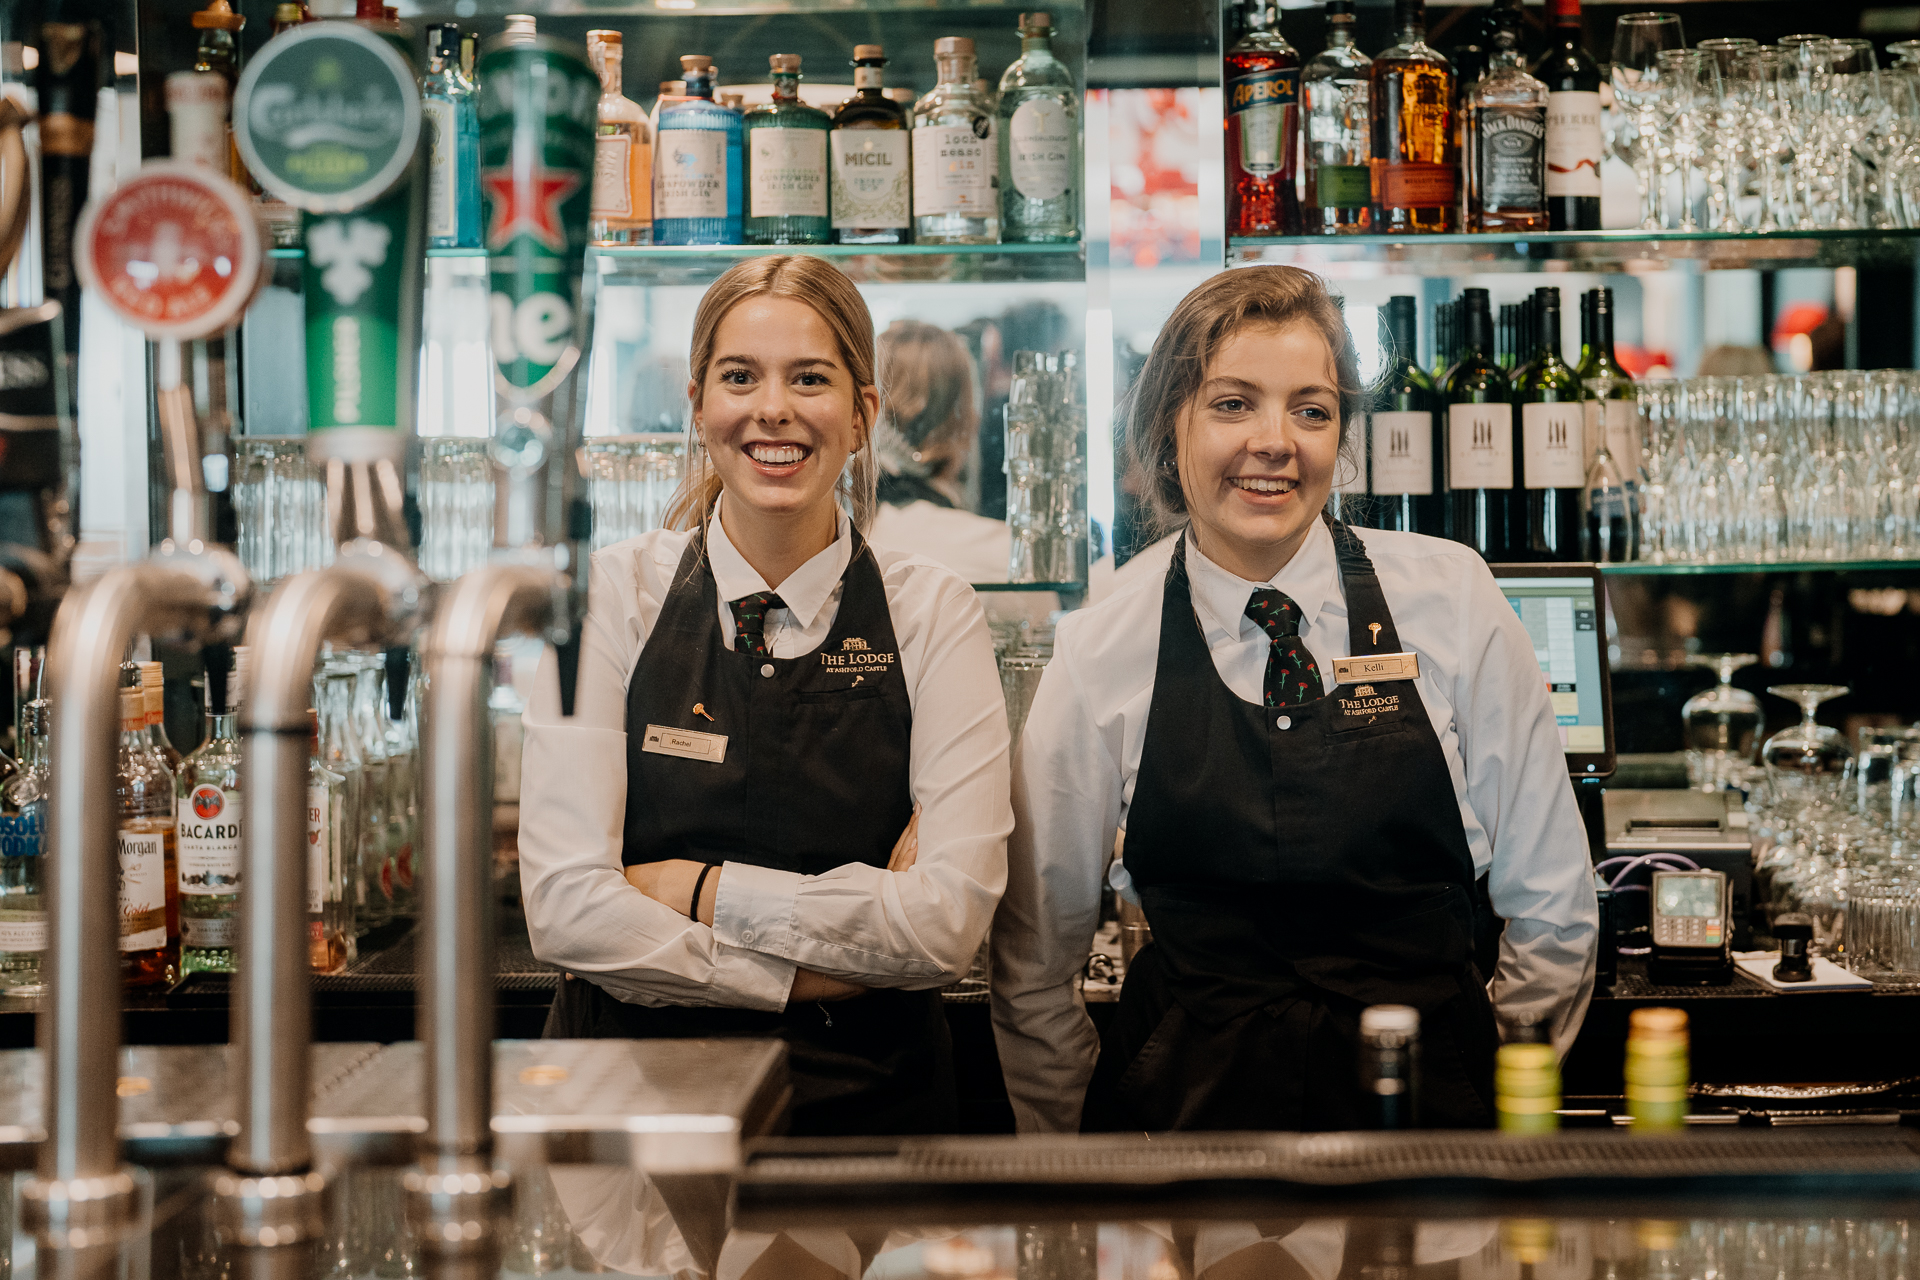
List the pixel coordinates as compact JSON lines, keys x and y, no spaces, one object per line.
{"x":1722,"y":725}
{"x":1689,"y":99}
{"x":1804,"y":761}
{"x":1638,"y":40}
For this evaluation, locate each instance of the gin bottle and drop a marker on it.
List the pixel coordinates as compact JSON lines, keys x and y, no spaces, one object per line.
{"x":1339,"y":142}
{"x":622,"y":202}
{"x":23,"y":831}
{"x":786,"y":144}
{"x":210,"y":810}
{"x":697,"y":165}
{"x":149,"y":895}
{"x":871,"y":186}
{"x":450,"y":107}
{"x":955,"y":200}
{"x":1038,"y":121}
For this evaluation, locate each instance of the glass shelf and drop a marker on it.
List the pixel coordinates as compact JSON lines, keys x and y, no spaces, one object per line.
{"x":1647,"y":569}
{"x":1349,"y":257}
{"x":879,"y":264}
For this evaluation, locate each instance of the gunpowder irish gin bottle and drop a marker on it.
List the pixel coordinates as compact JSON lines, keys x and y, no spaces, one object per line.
{"x":786,"y":142}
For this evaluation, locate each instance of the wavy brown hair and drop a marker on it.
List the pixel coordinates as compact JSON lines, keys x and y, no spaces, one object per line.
{"x":1262,"y":296}
{"x":816,"y":282}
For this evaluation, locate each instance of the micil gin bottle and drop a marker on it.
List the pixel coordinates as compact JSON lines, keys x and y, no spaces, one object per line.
{"x":871,"y":184}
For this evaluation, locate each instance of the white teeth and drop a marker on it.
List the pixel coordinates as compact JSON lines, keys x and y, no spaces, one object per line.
{"x":775,"y":455}
{"x":1259,"y":484}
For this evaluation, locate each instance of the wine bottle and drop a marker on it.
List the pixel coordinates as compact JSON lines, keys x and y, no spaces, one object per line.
{"x":1479,"y":437}
{"x":1575,"y":143}
{"x":1404,"y":443}
{"x":1552,"y":454}
{"x":1613,"y":409}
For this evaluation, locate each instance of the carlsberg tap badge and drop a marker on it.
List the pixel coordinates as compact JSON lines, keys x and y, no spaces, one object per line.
{"x":537,"y":121}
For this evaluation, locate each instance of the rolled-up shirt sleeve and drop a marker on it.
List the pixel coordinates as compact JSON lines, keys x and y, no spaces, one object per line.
{"x":921,"y":927}
{"x":581,"y":912}
{"x":1541,"y":876}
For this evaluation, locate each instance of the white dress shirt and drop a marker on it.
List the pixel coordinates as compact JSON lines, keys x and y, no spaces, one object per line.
{"x":914,"y":929}
{"x":1079,"y":758}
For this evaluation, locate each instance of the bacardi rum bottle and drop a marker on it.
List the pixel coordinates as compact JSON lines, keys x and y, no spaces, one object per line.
{"x":210,"y":811}
{"x":1262,"y":82}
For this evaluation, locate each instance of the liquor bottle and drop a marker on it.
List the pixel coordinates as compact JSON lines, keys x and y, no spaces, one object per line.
{"x":211,"y":809}
{"x":1575,"y":143}
{"x":622,"y":200}
{"x":1415,"y":186}
{"x":1389,"y":1066}
{"x":67,"y":83}
{"x":288,"y":16}
{"x":1479,"y":437}
{"x":1038,"y":120}
{"x":23,"y":833}
{"x":448,"y":103}
{"x":698,"y":171}
{"x":469,"y":51}
{"x":197,"y":118}
{"x":956,"y":195}
{"x":1335,"y":85}
{"x":1261,"y":79}
{"x":1615,"y":409}
{"x":871,"y":187}
{"x":153,"y":692}
{"x":787,"y":163}
{"x":1526,"y":1088}
{"x":375,"y":828}
{"x":520,"y":26}
{"x":1553,"y":455}
{"x":1657,"y":1070}
{"x":1406,"y":451}
{"x":1474,"y":52}
{"x":1507,"y":145}
{"x":369,"y":900}
{"x":149,"y":892}
{"x":330,"y":944}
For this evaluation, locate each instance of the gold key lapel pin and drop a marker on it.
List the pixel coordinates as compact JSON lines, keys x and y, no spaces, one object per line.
{"x":700,"y":709}
{"x":1375,"y":628}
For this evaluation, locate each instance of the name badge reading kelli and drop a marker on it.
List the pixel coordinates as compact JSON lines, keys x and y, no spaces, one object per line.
{"x":1381,"y":666}
{"x":685,"y":743}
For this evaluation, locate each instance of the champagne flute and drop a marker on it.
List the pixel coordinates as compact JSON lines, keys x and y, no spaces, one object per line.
{"x":1638,"y":40}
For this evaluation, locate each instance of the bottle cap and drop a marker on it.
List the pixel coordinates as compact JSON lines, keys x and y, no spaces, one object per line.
{"x":133,"y":709}
{"x":288,"y":14}
{"x":520,"y":26}
{"x":1399,"y":1019}
{"x":219,"y":15}
{"x":672,"y":88}
{"x":443,"y":39}
{"x":605,"y":36}
{"x":690,"y":62}
{"x":1036,"y":24}
{"x":734,"y":100}
{"x":869,"y":53}
{"x":1658,"y":1023}
{"x":951,"y":46}
{"x":1336,"y":8}
{"x":784,"y":62}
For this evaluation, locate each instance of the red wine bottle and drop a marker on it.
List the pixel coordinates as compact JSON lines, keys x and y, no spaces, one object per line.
{"x":1575,"y":143}
{"x":1406,"y":448}
{"x":1552,"y":456}
{"x":1480,"y":437}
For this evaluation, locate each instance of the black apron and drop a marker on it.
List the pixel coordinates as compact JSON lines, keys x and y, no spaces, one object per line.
{"x":1292,"y":877}
{"x":814,"y":777}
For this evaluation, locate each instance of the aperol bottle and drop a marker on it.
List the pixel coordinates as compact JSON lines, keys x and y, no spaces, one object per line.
{"x":1262,"y":78}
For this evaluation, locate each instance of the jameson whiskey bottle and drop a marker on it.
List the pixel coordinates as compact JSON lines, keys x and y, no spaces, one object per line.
{"x":1339,"y":130}
{"x":149,"y":895}
{"x":211,"y":810}
{"x":870,"y":189}
{"x":621,"y":211}
{"x":1414,"y":178}
{"x":786,"y":143}
{"x":956,"y":196}
{"x":1039,"y":131}
{"x":23,"y":833}
{"x":1262,"y":82}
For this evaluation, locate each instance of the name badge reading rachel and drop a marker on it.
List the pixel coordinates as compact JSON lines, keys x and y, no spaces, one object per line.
{"x":1382,"y":666}
{"x":685,"y":743}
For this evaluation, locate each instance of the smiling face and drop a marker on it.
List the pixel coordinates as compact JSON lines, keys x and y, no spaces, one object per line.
{"x":779,"y":411}
{"x":1258,"y":444}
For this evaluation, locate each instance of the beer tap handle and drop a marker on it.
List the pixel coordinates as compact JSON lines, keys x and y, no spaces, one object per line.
{"x":180,"y":447}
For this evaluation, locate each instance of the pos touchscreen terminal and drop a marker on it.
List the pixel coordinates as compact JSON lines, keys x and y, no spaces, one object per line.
{"x":1564,"y":609}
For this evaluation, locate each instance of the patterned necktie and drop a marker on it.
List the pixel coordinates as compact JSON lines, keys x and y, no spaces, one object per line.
{"x":750,"y":621}
{"x":1292,"y":677}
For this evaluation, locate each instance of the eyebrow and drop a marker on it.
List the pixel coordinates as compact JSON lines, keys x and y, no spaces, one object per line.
{"x":803,"y":362}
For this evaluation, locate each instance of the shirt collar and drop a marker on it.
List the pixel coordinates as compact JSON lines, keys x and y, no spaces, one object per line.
{"x":1311,"y":579}
{"x":807,"y":590}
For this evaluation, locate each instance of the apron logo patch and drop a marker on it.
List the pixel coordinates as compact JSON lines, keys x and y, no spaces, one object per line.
{"x":853,"y":644}
{"x":1365,"y":706}
{"x":862,"y":659}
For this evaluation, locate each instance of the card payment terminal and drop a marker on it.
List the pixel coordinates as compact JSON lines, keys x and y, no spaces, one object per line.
{"x":1692,"y":928}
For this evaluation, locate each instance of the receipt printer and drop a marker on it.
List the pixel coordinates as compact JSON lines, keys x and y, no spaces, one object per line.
{"x":1709,"y":828}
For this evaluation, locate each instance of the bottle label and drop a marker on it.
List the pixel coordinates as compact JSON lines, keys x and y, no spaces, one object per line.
{"x":1415,"y":186}
{"x":1619,"y":420}
{"x":443,"y":177}
{"x":143,"y":890}
{"x":1402,"y":452}
{"x":1040,"y":149}
{"x":867,"y":77}
{"x":1337,"y":114}
{"x":692,"y":174}
{"x":1575,"y":144}
{"x":218,"y":933}
{"x":1512,"y":157}
{"x":319,"y":849}
{"x":787,"y":173}
{"x":209,"y":836}
{"x":24,"y":934}
{"x":953,"y":169}
{"x":612,"y":187}
{"x":872,"y":178}
{"x":1341,"y":186}
{"x":1480,"y":446}
{"x":23,"y":835}
{"x":1262,"y":106}
{"x":1350,"y":471}
{"x":1553,"y":444}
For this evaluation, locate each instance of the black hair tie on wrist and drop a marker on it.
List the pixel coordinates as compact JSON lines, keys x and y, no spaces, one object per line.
{"x":693,"y":908}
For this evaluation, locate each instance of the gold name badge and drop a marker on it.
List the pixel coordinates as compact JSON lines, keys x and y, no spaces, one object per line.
{"x":1384,"y":666}
{"x":685,"y":743}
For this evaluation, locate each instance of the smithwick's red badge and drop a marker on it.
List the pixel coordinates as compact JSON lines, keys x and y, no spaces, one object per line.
{"x":174,"y":250}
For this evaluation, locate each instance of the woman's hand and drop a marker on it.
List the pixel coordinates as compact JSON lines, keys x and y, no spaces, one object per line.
{"x":670,"y":883}
{"x":906,"y":850}
{"x":810,"y":986}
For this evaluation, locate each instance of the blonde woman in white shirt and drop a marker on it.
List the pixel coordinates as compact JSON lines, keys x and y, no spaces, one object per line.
{"x":723,"y":839}
{"x":1302,"y":850}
